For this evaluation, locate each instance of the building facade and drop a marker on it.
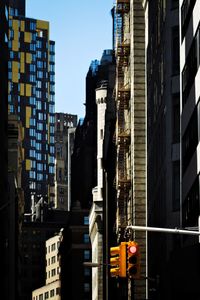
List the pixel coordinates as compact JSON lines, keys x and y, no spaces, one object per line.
{"x":163,"y":136}
{"x":131,"y":206}
{"x":4,"y":135}
{"x":96,"y":213}
{"x":75,"y":249}
{"x":52,"y":287}
{"x":190,"y":112}
{"x":31,"y":95}
{"x":65,"y":125}
{"x":33,"y":251}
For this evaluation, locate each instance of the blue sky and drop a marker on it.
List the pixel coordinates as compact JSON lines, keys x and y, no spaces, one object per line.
{"x":82,"y":29}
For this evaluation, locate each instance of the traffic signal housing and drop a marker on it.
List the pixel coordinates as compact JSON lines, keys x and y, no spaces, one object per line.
{"x":133,"y":260}
{"x":118,"y":260}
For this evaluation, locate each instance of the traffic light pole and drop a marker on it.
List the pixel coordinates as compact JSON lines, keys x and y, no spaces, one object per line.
{"x":158,"y":229}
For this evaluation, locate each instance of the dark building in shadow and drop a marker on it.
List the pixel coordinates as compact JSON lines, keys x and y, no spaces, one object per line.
{"x":47,"y":223}
{"x":74,"y":250}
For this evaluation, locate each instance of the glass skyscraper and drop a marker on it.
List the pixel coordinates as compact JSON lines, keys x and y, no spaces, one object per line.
{"x":31,"y":96}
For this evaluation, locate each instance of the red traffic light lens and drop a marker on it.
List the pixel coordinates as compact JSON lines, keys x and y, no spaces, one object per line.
{"x":132,"y":249}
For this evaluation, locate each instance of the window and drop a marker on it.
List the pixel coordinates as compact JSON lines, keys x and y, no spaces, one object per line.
{"x":53,"y":272}
{"x":46,"y":295}
{"x":39,"y":64}
{"x":175,"y":50}
{"x":53,"y":259}
{"x":86,"y":238}
{"x":39,"y":125}
{"x":176,"y":118}
{"x":53,"y":247}
{"x":191,"y":67}
{"x":190,"y":140}
{"x":39,"y":177}
{"x":176,"y":186}
{"x":32,"y":122}
{"x":51,"y":108}
{"x":32,"y":153}
{"x":87,"y":272}
{"x":40,"y":167}
{"x":86,"y":220}
{"x":52,"y":293}
{"x":86,"y":254}
{"x":86,"y":287}
{"x":32,"y":78}
{"x":32,"y":26}
{"x":52,"y":47}
{"x":174,"y":4}
{"x":51,"y":170}
{"x":38,"y":84}
{"x":39,"y":44}
{"x":32,"y":68}
{"x":186,"y":11}
{"x":39,"y":74}
{"x":191,"y":205}
{"x":32,"y":47}
{"x":41,"y":297}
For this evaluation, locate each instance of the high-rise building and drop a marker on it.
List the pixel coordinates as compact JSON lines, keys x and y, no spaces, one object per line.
{"x":131,"y":206}
{"x":4,"y":213}
{"x":172,"y":61}
{"x":65,"y":125}
{"x":190,"y":112}
{"x":31,"y":95}
{"x":163,"y":136}
{"x":99,"y":237}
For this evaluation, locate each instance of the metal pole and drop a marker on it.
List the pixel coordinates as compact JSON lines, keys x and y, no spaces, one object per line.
{"x":199,"y":228}
{"x":106,"y":237}
{"x":166,"y":230}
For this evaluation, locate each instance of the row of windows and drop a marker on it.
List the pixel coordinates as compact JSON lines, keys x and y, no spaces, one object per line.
{"x":53,"y":247}
{"x":52,"y":260}
{"x":53,"y":273}
{"x":48,"y":295}
{"x":40,"y":176}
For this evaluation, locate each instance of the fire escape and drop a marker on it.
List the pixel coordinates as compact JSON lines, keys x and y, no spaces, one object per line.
{"x":123,"y":179}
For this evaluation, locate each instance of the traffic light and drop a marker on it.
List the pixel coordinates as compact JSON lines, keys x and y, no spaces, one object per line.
{"x":118,"y":260}
{"x":133,"y":260}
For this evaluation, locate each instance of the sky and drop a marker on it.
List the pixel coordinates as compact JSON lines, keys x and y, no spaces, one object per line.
{"x":81,"y":29}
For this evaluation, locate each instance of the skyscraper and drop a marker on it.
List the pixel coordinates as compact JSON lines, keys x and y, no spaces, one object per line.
{"x":31,"y":95}
{"x":190,"y":112}
{"x":65,"y":125}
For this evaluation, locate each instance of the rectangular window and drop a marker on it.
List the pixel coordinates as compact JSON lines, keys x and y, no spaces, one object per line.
{"x":52,"y":293}
{"x":32,"y":100}
{"x":86,"y":238}
{"x":176,"y":186}
{"x":86,"y":254}
{"x":86,"y":287}
{"x":175,"y":50}
{"x":190,"y":140}
{"x":191,"y":205}
{"x":86,"y":220}
{"x":176,"y":118}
